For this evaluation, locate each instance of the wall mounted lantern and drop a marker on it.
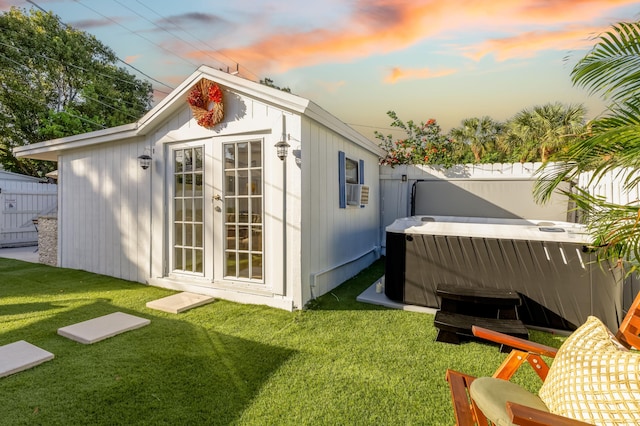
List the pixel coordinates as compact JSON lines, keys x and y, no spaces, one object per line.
{"x":282,"y":148}
{"x":145,"y":161}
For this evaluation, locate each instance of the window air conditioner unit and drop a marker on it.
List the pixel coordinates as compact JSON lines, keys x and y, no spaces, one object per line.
{"x":357,"y":195}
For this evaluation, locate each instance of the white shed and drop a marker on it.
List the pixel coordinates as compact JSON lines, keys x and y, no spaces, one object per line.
{"x":22,"y":200}
{"x":207,"y":215}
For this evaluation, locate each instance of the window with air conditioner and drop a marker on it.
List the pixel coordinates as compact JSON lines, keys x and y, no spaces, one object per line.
{"x":352,"y":191}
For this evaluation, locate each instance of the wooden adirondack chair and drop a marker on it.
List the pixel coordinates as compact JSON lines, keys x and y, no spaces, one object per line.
{"x":467,"y":412}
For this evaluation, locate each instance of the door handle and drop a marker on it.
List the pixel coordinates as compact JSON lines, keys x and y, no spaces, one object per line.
{"x":217,"y":197}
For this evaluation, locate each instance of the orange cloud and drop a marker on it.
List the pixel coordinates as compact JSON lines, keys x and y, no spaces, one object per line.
{"x":527,"y":44}
{"x":131,"y":59}
{"x":397,"y":74}
{"x":375,"y":27}
{"x":383,"y":26}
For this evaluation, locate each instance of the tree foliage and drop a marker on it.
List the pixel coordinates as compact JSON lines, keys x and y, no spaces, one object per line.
{"x":612,"y":69}
{"x":532,"y":134}
{"x":57,"y":81}
{"x":424,"y":144}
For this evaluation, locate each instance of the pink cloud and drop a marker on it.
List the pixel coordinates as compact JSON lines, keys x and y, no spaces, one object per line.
{"x":383,"y":26}
{"x":397,"y":74}
{"x":132,"y":59}
{"x":526,"y":45}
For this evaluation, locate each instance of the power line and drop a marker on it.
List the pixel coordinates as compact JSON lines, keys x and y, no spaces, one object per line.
{"x":30,"y":97}
{"x":26,"y":67}
{"x":256,"y":77}
{"x":42,"y":55}
{"x":117,"y":57}
{"x":137,"y":34}
{"x":164,"y":29}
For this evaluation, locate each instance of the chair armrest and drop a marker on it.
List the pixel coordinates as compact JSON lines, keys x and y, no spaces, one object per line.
{"x":527,"y":416}
{"x":514,"y":342}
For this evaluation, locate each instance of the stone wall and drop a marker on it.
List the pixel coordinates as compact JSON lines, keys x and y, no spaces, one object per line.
{"x":48,"y":240}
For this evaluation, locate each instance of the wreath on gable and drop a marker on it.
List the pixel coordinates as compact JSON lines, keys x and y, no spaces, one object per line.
{"x":205,"y":100}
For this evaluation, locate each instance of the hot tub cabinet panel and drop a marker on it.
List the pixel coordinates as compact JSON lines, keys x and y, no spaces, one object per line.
{"x":561,"y":282}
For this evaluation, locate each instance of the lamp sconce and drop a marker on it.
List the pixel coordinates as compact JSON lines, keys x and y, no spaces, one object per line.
{"x":145,"y":161}
{"x":282,"y":149}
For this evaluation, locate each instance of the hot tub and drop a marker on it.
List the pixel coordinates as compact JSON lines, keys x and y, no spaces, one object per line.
{"x":546,"y":262}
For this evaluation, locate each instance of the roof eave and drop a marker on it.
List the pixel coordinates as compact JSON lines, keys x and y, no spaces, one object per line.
{"x":50,"y":150}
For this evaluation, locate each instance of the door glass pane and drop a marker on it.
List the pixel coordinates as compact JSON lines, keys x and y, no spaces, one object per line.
{"x":256,"y":238}
{"x":256,"y":210}
{"x":243,"y":156}
{"x":243,"y":182}
{"x":256,"y":267}
{"x":230,"y":263}
{"x":243,"y":210}
{"x":244,"y":206}
{"x":243,"y":265}
{"x":231,"y":237}
{"x":256,"y":154}
{"x":198,"y":261}
{"x":229,"y":156}
{"x":230,"y":180}
{"x":256,"y":183}
{"x":198,"y":159}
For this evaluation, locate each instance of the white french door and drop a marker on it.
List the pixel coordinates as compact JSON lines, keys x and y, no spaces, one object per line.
{"x":216,"y":211}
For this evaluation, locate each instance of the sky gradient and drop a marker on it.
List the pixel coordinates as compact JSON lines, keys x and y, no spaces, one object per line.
{"x":358,"y":59}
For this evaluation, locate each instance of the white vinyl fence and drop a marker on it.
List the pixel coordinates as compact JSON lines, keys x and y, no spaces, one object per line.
{"x":23,"y":199}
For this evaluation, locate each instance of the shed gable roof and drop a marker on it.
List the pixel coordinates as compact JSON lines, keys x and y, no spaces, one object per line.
{"x":49,"y":150}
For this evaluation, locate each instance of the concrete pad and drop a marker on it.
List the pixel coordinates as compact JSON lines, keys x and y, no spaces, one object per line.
{"x":103,"y":327}
{"x":179,"y":302}
{"x":21,"y":355}
{"x":371,"y":295}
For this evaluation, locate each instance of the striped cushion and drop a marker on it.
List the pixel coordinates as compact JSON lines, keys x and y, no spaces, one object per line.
{"x":594,"y":380}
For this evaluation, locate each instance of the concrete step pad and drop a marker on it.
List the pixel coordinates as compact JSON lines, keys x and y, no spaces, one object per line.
{"x":21,"y":355}
{"x":103,"y":327}
{"x":179,"y":302}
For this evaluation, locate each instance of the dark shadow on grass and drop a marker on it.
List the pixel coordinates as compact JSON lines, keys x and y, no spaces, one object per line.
{"x":169,"y":372}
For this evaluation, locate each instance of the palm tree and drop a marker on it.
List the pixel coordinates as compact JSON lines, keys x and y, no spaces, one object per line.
{"x":545,"y":128}
{"x":611,"y":69}
{"x":480,"y":134}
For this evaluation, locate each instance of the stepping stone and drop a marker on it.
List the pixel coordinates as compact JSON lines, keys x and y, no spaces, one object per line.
{"x":103,"y":327}
{"x":21,"y":355}
{"x":179,"y":302}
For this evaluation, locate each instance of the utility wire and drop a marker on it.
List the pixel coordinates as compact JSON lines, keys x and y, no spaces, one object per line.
{"x":76,"y":67}
{"x":30,"y":97}
{"x":166,"y":30}
{"x":256,"y":77}
{"x":137,"y":34}
{"x":119,"y":59}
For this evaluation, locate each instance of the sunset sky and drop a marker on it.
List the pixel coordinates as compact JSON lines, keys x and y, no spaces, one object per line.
{"x":442,"y":59}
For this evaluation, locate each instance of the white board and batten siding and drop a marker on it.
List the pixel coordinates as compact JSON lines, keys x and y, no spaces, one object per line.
{"x":339,"y":241}
{"x":23,"y":199}
{"x":103,"y":222}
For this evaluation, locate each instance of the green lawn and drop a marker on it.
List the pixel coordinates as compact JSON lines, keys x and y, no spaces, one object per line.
{"x":338,"y":362}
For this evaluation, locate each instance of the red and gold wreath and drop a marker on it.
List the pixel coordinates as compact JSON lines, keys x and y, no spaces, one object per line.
{"x":205,"y":100}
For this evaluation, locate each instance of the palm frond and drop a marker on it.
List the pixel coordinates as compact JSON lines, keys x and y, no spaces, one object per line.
{"x":612,"y":67}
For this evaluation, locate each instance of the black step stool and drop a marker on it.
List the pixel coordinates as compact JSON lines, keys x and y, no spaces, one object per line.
{"x":463,"y":307}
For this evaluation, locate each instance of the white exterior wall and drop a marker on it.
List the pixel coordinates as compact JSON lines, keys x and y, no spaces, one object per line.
{"x":338,"y":242}
{"x":104,"y":211}
{"x":247,"y":119}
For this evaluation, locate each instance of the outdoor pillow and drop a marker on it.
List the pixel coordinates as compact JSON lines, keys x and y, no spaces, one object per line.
{"x":491,"y":396}
{"x":593,"y":380}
